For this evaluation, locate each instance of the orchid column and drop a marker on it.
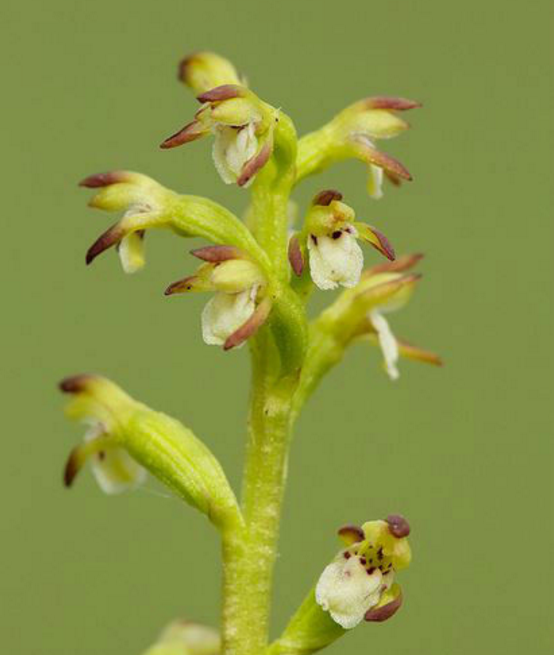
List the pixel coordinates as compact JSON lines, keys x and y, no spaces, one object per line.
{"x":260,"y":274}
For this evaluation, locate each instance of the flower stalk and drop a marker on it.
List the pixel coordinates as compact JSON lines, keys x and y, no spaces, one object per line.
{"x":261,"y":273}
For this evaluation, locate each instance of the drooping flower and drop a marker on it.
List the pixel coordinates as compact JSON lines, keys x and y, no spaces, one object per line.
{"x":112,"y":466}
{"x":242,"y":126}
{"x":239,"y":306}
{"x":378,"y":327}
{"x":359,"y":583}
{"x":331,"y":234}
{"x":352,"y":135}
{"x":141,"y":199}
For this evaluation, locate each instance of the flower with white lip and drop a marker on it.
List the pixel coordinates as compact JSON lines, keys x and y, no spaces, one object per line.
{"x":331,"y":234}
{"x":242,"y":126}
{"x":112,"y":466}
{"x":352,"y":135}
{"x":225,"y":313}
{"x":378,"y":327}
{"x":358,"y":584}
{"x":337,"y":259}
{"x":238,"y":307}
{"x":141,"y":198}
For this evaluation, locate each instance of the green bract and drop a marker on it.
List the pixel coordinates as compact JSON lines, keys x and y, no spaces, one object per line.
{"x":259,"y":275}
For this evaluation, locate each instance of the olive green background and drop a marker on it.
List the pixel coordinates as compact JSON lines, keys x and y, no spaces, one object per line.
{"x":465,"y":452}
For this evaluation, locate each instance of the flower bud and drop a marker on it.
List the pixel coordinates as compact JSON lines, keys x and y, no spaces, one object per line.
{"x":203,"y":71}
{"x":129,"y":436}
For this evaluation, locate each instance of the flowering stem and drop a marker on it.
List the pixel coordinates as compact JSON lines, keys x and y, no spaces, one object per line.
{"x":248,"y":562}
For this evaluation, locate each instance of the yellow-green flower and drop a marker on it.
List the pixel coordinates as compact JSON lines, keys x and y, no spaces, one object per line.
{"x":239,"y":306}
{"x":242,"y":126}
{"x":331,"y":235}
{"x":377,"y":327}
{"x":352,"y":135}
{"x":359,"y":583}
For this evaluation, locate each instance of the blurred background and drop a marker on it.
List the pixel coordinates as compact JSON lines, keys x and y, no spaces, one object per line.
{"x":465,"y":451}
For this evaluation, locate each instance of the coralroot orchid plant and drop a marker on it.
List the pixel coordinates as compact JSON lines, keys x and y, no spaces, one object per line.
{"x":260,"y":273}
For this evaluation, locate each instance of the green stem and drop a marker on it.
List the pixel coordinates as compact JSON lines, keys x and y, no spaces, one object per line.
{"x":249,"y":557}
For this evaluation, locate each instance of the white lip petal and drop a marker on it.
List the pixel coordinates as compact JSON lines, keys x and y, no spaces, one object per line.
{"x":232,"y":149}
{"x":222,"y":140}
{"x":387,"y":342}
{"x":346,"y":591}
{"x":114,"y":469}
{"x":375,"y":182}
{"x":131,"y":252}
{"x":335,"y":261}
{"x":225,"y":313}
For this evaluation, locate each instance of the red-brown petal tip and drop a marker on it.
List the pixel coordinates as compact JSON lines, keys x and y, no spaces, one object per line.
{"x":183,"y":65}
{"x":385,"y":245}
{"x":410,"y":351}
{"x":295,"y":256}
{"x":223,"y":92}
{"x":216,"y":254}
{"x":398,"y":525}
{"x":326,"y":197}
{"x":392,"y":102}
{"x":110,"y":237}
{"x":191,"y":132}
{"x":72,"y":467}
{"x":104,"y":179}
{"x":373,"y":156}
{"x":380,"y":614}
{"x":75,"y":383}
{"x":353,"y":532}
{"x":255,"y":163}
{"x":250,"y":327}
{"x":391,"y":165}
{"x":181,"y":286}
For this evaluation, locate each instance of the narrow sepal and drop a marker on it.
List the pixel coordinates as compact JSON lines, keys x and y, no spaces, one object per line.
{"x":295,"y":256}
{"x":351,"y":534}
{"x":373,"y":156}
{"x":190,"y":132}
{"x":399,"y":265}
{"x":384,"y":612}
{"x":217,"y":254}
{"x":74,"y":464}
{"x":223,"y":92}
{"x":192,"y":283}
{"x":383,"y":292}
{"x":257,"y":162}
{"x":391,"y":102}
{"x":376,"y":239}
{"x":418,"y":354}
{"x":109,"y":238}
{"x":106,"y":179}
{"x":251,"y":326}
{"x":326,"y":197}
